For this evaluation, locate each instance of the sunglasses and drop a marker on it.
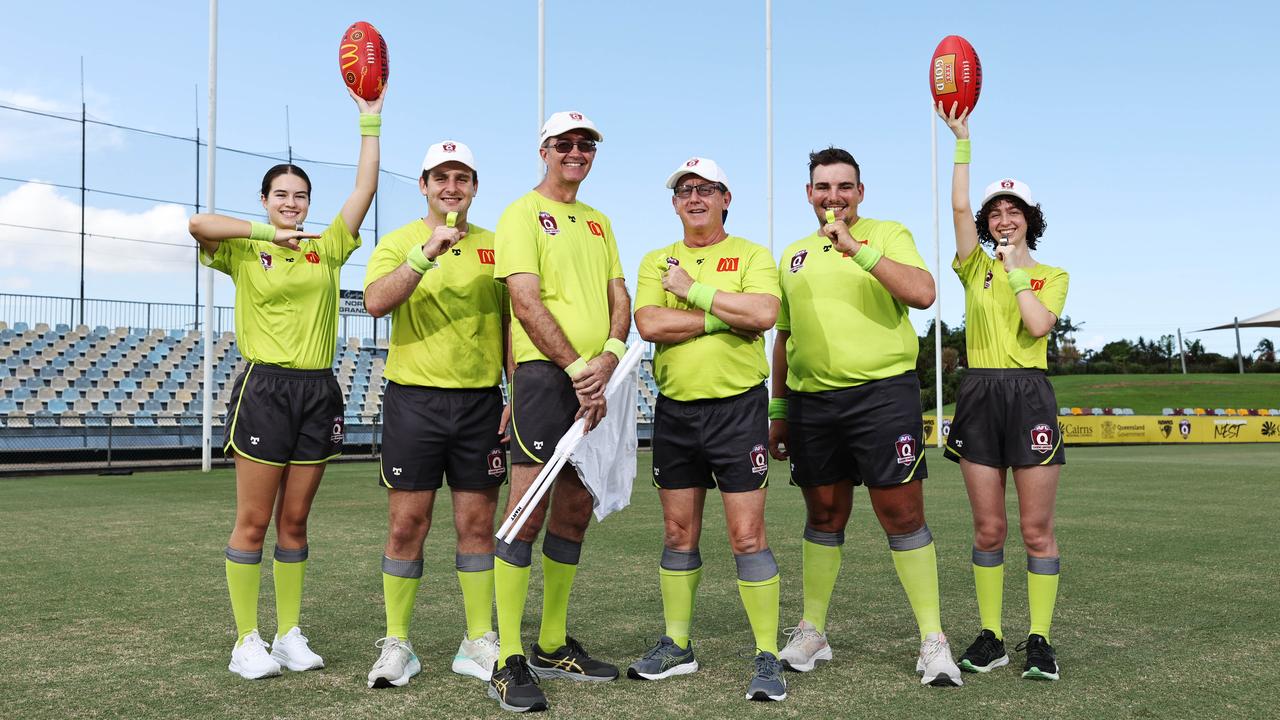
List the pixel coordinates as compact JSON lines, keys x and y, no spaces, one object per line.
{"x":703,"y":190}
{"x":564,"y":146}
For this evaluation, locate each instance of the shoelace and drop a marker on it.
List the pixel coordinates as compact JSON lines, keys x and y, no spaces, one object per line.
{"x":255,"y":640}
{"x":800,"y":633}
{"x":767,"y":667}
{"x":520,"y":672}
{"x":988,"y":644}
{"x":655,"y":652}
{"x":574,"y":649}
{"x":931,"y":649}
{"x":388,"y":645}
{"x":1035,"y":649}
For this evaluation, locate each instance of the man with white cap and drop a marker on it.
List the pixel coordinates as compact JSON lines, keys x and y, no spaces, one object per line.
{"x":443,"y":410}
{"x":706,"y":301}
{"x":559,"y":259}
{"x":846,"y":403}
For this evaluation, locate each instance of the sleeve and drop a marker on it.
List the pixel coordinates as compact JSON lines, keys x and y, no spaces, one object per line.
{"x":515,"y":243}
{"x":784,"y":311}
{"x":224,"y":258}
{"x":337,"y":241}
{"x":649,"y":291}
{"x":386,"y":257}
{"x":1054,"y":293}
{"x":504,"y":298}
{"x":761,"y":276}
{"x":900,"y":246}
{"x":615,"y":264}
{"x":974,"y":268}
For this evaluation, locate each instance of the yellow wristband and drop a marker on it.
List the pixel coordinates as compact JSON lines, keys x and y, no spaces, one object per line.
{"x":711,"y":323}
{"x":1019,"y":280}
{"x":778,"y":409}
{"x":701,"y":296}
{"x":575,"y":368}
{"x":262,"y":231}
{"x":418,"y":260}
{"x":867,"y":257}
{"x":370,"y":124}
{"x":962,"y":152}
{"x":615,"y":346}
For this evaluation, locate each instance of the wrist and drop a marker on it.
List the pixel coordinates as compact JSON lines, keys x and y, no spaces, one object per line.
{"x":962,"y":151}
{"x":370,"y":124}
{"x":866,"y":257}
{"x":575,"y":368}
{"x":262,"y":231}
{"x":701,"y":296}
{"x":615,"y":346}
{"x":419,"y":261}
{"x":1019,"y":280}
{"x":778,"y":408}
{"x":711,"y":323}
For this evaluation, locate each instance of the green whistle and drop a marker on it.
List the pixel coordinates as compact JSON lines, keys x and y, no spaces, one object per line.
{"x":451,"y":219}
{"x":831,"y":216}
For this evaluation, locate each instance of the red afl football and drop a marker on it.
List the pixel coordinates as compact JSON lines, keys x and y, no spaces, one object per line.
{"x":362,"y":58}
{"x":955,"y":75}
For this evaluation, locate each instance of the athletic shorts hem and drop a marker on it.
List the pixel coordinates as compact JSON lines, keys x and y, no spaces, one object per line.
{"x":231,"y":445}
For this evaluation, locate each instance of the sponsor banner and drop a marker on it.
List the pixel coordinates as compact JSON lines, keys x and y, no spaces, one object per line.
{"x":351,"y":302}
{"x":1147,"y":429}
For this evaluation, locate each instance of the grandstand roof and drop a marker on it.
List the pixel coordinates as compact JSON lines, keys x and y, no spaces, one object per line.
{"x":1266,"y":319}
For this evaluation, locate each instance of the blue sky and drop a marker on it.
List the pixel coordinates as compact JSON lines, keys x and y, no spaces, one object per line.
{"x":1147,"y":132}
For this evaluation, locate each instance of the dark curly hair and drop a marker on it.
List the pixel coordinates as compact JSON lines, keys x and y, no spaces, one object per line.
{"x":1035,"y":220}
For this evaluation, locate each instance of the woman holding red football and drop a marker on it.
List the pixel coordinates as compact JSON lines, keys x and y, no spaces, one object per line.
{"x":285,"y":418}
{"x":1006,"y":413}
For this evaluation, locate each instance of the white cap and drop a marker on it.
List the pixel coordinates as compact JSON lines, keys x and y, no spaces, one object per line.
{"x":705,"y":168}
{"x":563,"y":122}
{"x":446,"y":150}
{"x":1009,"y":186}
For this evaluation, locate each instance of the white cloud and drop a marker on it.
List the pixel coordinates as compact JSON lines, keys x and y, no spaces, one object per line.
{"x":41,"y":206}
{"x":24,"y":136}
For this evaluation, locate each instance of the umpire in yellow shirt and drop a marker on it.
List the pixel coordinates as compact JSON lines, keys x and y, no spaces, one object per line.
{"x":444,"y":416}
{"x":705,"y":301}
{"x":846,"y":403}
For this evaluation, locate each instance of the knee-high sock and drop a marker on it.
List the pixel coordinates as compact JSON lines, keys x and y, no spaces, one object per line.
{"x":559,"y":567}
{"x":758,"y":585}
{"x":988,"y":583}
{"x":1042,"y":592}
{"x":822,"y":556}
{"x":475,"y":576}
{"x":288,"y":569}
{"x":511,"y":587}
{"x":400,"y":580}
{"x":916,"y":561}
{"x":244,"y":575}
{"x":679,"y":575}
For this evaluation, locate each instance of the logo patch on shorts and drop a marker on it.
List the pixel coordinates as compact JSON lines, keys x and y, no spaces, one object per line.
{"x":338,"y":433}
{"x":537,"y":444}
{"x":1042,"y":438}
{"x":497,"y":463}
{"x":759,"y":460}
{"x":396,"y":471}
{"x":254,"y":440}
{"x":905,"y":448}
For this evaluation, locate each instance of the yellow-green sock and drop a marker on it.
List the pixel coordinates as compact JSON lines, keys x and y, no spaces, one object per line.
{"x":288,"y":570}
{"x":475,"y":576}
{"x":557,"y":581}
{"x":400,"y":580}
{"x":511,"y":587}
{"x":758,"y":586}
{"x":988,"y":583}
{"x":821,"y":554}
{"x":916,"y":560}
{"x":244,"y":575}
{"x":1042,"y":593}
{"x":678,"y":590}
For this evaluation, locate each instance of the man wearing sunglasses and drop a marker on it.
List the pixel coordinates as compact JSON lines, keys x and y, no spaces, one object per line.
{"x":706,"y":301}
{"x":846,"y":403}
{"x":572,"y":314}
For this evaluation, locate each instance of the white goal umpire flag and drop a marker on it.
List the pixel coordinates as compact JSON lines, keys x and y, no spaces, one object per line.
{"x":606,"y":457}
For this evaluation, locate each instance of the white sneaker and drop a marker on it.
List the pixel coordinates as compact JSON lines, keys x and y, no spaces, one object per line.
{"x":292,"y":651}
{"x":806,"y":647}
{"x":935,"y":665}
{"x":477,"y":657}
{"x":249,"y":658}
{"x":395,"y":665}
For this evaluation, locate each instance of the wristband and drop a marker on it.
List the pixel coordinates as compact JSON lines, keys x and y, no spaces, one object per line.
{"x":615,"y":346}
{"x":962,"y":151}
{"x":778,"y":408}
{"x":419,"y":262}
{"x":867,"y":257}
{"x":370,"y":124}
{"x":1019,"y":280}
{"x":700,"y":296}
{"x":711,"y":323}
{"x":262,"y":231}
{"x":576,"y":367}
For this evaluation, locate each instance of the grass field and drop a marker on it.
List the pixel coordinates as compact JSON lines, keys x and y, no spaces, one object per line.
{"x":1150,"y":394}
{"x":116,"y":604}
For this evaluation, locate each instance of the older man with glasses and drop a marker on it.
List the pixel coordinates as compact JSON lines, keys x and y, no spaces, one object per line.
{"x":705,"y":301}
{"x":572,"y":314}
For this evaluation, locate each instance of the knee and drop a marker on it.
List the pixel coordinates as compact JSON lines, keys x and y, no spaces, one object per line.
{"x":827,"y":519}
{"x":989,"y":534}
{"x":746,"y":540}
{"x":406,"y":532}
{"x":901,"y":521}
{"x":1039,"y":540}
{"x":251,"y":530}
{"x":679,"y":536}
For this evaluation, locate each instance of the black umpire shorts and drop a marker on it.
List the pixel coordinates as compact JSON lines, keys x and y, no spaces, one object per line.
{"x":1006,"y":418}
{"x":870,"y":434}
{"x":543,"y":405}
{"x":432,"y":433}
{"x":708,"y":443}
{"x":279,"y":416}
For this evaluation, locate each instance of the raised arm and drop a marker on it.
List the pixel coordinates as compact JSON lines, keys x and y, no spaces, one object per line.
{"x":211,"y":230}
{"x":357,"y":205}
{"x":961,"y":210}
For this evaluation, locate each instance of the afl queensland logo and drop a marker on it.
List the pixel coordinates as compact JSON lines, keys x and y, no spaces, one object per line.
{"x":1042,"y":438}
{"x":497,"y":463}
{"x":905,"y":447}
{"x":759,"y":460}
{"x":548,"y":222}
{"x":797,"y":260}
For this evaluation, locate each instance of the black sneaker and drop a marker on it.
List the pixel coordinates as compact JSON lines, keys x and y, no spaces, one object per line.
{"x":985,"y":654}
{"x":515,"y":687}
{"x":572,"y":662}
{"x":1042,"y":664}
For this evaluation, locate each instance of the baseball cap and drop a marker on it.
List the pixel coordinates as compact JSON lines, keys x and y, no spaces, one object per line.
{"x":1009,"y":186}
{"x":446,"y":150}
{"x":563,"y":122}
{"x":704,"y":168}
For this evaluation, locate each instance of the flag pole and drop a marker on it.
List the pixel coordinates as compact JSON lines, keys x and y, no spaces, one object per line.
{"x":937,"y":264}
{"x":206,"y":420}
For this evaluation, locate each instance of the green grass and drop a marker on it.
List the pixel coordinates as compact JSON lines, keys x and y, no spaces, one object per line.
{"x":1150,"y":394}
{"x":116,"y":605}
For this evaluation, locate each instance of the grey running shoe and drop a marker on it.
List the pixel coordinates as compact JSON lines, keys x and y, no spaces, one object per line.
{"x":663,"y":660}
{"x":806,"y":648}
{"x":767,"y":682}
{"x":935,"y":665}
{"x":985,"y":654}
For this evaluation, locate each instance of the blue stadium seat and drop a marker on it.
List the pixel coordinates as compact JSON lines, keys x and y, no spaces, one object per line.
{"x":21,"y":327}
{"x":7,"y":405}
{"x":106,"y":406}
{"x":62,"y":328}
{"x":57,"y":406}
